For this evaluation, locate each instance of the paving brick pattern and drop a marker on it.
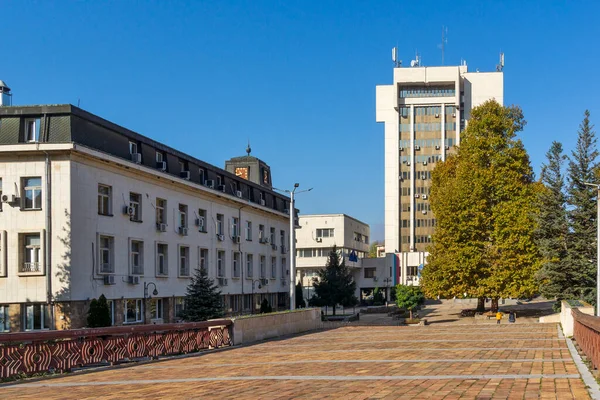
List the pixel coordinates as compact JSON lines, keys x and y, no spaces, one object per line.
{"x":519,"y":361}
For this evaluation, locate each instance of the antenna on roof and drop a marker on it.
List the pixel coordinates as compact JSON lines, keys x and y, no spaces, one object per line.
{"x":248,"y":149}
{"x":444,"y":41}
{"x":416,"y":62}
{"x":500,"y":65}
{"x":78,"y":102}
{"x":397,"y":63}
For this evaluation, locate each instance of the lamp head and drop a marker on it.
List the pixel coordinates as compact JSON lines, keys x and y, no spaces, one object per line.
{"x":155,"y":292}
{"x":296,"y":185}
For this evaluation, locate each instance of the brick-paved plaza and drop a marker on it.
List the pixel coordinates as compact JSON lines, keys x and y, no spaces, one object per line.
{"x":483,"y":361}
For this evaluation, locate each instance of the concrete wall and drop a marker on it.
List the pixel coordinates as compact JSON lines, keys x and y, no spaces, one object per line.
{"x":266,"y":326}
{"x":566,"y":317}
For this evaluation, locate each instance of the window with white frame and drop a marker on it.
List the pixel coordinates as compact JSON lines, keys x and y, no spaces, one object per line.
{"x":220,"y":263}
{"x":31,"y":261}
{"x":183,"y":222}
{"x":105,"y":248}
{"x":104,"y":199}
{"x":156,"y":309}
{"x":135,"y":203}
{"x":220,"y":221}
{"x":248,"y":230}
{"x":202,"y":220}
{"x":325,"y":233}
{"x":159,"y":157}
{"x":282,"y":237}
{"x":136,"y":257}
{"x":284,"y":271}
{"x":263,"y":267}
{"x":272,"y":235}
{"x":32,"y":130}
{"x":134,"y":311}
{"x":261,"y":233}
{"x":36,"y":317}
{"x":249,"y":267}
{"x":184,"y":261}
{"x":179,"y":306}
{"x":203,"y":260}
{"x":32,"y":193}
{"x":273,"y":267}
{"x":161,"y":211}
{"x":236,"y":264}
{"x":201,"y":172}
{"x":133,"y":148}
{"x":111,"y":310}
{"x":235,"y":227}
{"x":4,"y":319}
{"x":162,"y":259}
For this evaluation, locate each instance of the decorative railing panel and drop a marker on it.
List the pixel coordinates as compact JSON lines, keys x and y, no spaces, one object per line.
{"x":586,"y":331}
{"x":58,"y":351}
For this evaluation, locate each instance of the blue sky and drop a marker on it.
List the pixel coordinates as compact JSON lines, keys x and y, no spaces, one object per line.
{"x":296,"y":78}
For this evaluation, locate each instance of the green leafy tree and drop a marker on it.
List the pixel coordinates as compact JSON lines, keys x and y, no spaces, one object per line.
{"x":334,"y":284}
{"x":556,"y":275}
{"x":202,"y":300}
{"x":378,"y":297}
{"x":409,"y":298}
{"x":99,"y":313}
{"x":265,"y":307}
{"x":373,"y":249}
{"x":485,"y":200}
{"x":300,"y":303}
{"x":582,"y":211}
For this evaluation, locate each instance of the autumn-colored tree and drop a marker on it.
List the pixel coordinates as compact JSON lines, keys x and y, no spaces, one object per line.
{"x":485,"y":200}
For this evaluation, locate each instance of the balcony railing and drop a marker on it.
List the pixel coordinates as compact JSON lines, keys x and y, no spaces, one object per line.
{"x":31,"y":267}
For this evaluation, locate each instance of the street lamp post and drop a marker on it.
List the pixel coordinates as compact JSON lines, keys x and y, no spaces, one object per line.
{"x":293,"y":244}
{"x":146,"y":296}
{"x":597,"y":247}
{"x":387,"y":282}
{"x":260,"y":287}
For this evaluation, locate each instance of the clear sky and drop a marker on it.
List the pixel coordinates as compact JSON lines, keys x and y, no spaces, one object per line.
{"x":296,"y":78}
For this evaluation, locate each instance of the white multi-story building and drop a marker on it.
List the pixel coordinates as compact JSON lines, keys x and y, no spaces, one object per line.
{"x":91,"y":208}
{"x":424,"y":111}
{"x":315,"y":240}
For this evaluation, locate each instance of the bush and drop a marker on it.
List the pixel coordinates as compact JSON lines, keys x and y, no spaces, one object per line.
{"x":99,"y":313}
{"x":265,"y":307}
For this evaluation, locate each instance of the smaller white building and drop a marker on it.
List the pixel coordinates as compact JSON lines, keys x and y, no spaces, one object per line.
{"x":314,"y":241}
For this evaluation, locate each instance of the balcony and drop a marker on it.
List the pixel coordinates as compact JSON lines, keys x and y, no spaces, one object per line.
{"x":30,"y":267}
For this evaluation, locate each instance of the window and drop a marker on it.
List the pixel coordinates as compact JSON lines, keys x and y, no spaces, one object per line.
{"x":261,"y":233}
{"x":248,"y":230}
{"x":202,"y":220}
{"x":156,"y":308}
{"x":201,"y":172}
{"x":36,"y":317}
{"x":179,"y":306}
{"x":220,"y":219}
{"x":282,"y":237}
{"x":136,"y":257}
{"x":184,"y":261}
{"x":32,"y":193}
{"x":4,"y":319}
{"x":105,"y":247}
{"x":32,"y":130}
{"x":159,"y":157}
{"x":263,"y":267}
{"x":284,"y":271}
{"x":104,"y":200}
{"x":161,"y":211}
{"x":220,"y":264}
{"x":369,"y":272}
{"x":249,"y":268}
{"x":31,"y":253}
{"x":203,"y":259}
{"x":236,"y":264}
{"x":135,"y":203}
{"x":235,"y":227}
{"x":182,"y":166}
{"x":183,"y":216}
{"x":133,"y":148}
{"x":133,"y":311}
{"x":325,"y":233}
{"x":162,"y":259}
{"x":273,"y":267}
{"x":272,"y":235}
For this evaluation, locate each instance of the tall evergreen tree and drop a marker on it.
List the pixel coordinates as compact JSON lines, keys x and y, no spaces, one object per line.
{"x":300,"y":303}
{"x":582,"y":211}
{"x":203,"y":299}
{"x":334,"y":284}
{"x":556,"y":275}
{"x":99,"y":313}
{"x":484,"y":200}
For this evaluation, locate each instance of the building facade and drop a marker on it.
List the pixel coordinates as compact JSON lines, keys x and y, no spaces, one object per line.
{"x":91,"y":208}
{"x":315,"y":240}
{"x":424,"y":111}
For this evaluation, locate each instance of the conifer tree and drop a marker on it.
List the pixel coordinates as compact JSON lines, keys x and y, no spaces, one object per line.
{"x":300,"y":303}
{"x":99,"y":313}
{"x":484,"y":200}
{"x":556,"y":275}
{"x":582,"y":211}
{"x":202,"y":300}
{"x":334,"y":284}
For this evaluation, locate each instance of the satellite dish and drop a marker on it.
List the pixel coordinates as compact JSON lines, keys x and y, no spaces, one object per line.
{"x":413,"y":63}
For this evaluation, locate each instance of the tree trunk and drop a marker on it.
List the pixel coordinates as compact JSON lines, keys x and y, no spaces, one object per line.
{"x":480,"y":304}
{"x":334,"y":309}
{"x":410,"y":314}
{"x":494,"y":308}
